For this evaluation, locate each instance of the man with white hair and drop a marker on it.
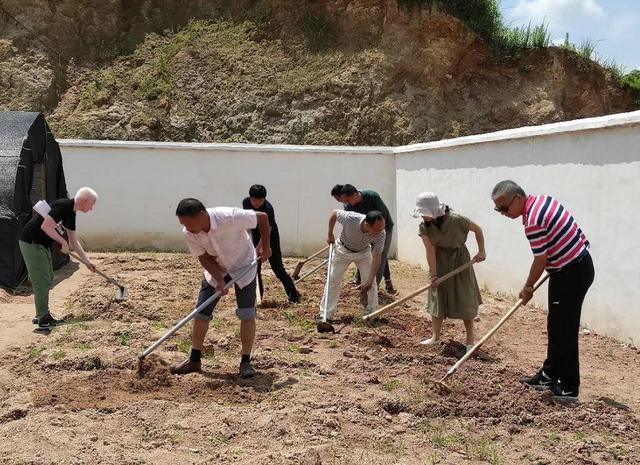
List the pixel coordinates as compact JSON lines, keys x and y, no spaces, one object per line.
{"x":35,"y":244}
{"x":559,"y":246}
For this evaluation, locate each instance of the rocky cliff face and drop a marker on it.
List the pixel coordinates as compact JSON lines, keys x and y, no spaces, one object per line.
{"x":354,"y":72}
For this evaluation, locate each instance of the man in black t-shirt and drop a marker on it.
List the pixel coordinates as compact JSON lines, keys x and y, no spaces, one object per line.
{"x":257,"y":201}
{"x":35,"y":244}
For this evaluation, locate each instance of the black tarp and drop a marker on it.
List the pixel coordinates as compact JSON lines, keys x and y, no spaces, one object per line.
{"x":30,"y":170}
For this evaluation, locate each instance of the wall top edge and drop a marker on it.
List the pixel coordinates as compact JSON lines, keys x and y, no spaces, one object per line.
{"x":600,"y":122}
{"x":220,"y":146}
{"x":586,"y":124}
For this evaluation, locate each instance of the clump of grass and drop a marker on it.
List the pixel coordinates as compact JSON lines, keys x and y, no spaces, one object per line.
{"x":125,"y":338}
{"x":486,"y":20}
{"x":587,"y":51}
{"x":391,"y":385}
{"x":158,"y":325}
{"x":220,"y":439}
{"x":552,"y":439}
{"x":439,"y":438}
{"x":298,"y":321}
{"x":319,"y":31}
{"x":36,"y":351}
{"x":389,"y":446}
{"x":59,"y":355}
{"x":83,"y":345}
{"x":99,"y":90}
{"x":632,"y":80}
{"x":516,"y":38}
{"x":184,"y":345}
{"x":159,"y":80}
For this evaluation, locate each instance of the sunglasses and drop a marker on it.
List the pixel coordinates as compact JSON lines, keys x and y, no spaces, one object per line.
{"x":505,"y":209}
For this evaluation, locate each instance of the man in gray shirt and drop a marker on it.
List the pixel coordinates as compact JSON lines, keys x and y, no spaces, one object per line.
{"x":361,"y":242}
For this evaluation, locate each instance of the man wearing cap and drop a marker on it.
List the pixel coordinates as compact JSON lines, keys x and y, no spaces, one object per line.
{"x":559,"y":246}
{"x":35,"y":243}
{"x":364,"y":202}
{"x":361,"y":235}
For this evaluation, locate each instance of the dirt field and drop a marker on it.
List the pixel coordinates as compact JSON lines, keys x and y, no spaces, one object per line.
{"x":360,"y":396}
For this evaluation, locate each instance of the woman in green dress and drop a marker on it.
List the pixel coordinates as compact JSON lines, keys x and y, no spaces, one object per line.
{"x":444,"y":235}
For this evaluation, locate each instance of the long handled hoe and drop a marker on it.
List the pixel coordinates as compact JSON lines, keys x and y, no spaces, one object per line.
{"x":190,"y":316}
{"x":410,"y":296}
{"x":296,"y":272}
{"x":441,"y":385}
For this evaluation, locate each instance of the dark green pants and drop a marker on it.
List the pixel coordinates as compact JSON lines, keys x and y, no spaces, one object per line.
{"x":40,"y":267}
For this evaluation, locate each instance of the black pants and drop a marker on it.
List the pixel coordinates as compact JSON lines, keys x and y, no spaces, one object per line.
{"x":278,"y":268}
{"x":567,"y":289}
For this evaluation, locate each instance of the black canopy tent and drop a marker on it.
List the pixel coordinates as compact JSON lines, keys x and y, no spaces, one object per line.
{"x":30,"y":170}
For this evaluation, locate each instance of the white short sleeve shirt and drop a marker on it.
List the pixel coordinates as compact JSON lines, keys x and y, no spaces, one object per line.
{"x":228,"y":240}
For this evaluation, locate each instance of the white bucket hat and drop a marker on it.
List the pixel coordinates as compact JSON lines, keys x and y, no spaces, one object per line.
{"x":427,"y":204}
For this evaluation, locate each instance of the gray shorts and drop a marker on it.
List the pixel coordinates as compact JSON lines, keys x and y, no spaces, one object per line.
{"x":245,"y":299}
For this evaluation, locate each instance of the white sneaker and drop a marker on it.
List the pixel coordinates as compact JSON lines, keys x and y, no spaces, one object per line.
{"x":431,"y":342}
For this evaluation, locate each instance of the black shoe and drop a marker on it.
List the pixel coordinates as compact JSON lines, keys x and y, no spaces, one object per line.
{"x":390,"y":289}
{"x":325,"y":326}
{"x":47,"y":322}
{"x":294,"y":298}
{"x":564,"y":395}
{"x":246,"y":370}
{"x":185,"y":367}
{"x":539,"y":381}
{"x":34,"y":320}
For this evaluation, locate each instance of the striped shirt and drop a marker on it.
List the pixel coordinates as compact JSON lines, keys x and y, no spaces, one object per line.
{"x":352,"y":236}
{"x":552,"y":231}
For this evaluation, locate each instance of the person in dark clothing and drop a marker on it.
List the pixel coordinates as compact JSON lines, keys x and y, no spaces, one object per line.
{"x":257,"y":201}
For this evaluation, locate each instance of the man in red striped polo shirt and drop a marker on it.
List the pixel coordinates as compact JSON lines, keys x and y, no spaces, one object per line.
{"x":559,"y":246}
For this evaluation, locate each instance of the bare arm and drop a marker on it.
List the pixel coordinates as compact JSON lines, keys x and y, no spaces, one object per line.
{"x":431,"y":258}
{"x":210,"y":264}
{"x":77,"y":246}
{"x":265,"y":236}
{"x":537,"y":268}
{"x":332,"y":224}
{"x":375,"y":265}
{"x":477,"y":230}
{"x":49,"y":228}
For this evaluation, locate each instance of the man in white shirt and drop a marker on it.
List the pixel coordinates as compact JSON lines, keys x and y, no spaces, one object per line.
{"x":219,"y":238}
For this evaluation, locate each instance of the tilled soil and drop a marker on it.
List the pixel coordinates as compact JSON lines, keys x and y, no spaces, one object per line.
{"x":362,"y":395}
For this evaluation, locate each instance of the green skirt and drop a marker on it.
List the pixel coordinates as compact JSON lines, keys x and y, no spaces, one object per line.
{"x":459,"y":296}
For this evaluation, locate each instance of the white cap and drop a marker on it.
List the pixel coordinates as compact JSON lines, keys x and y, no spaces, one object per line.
{"x":427,"y":204}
